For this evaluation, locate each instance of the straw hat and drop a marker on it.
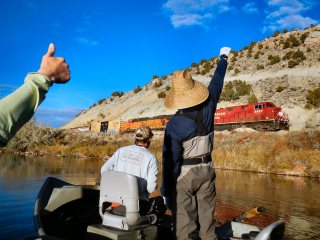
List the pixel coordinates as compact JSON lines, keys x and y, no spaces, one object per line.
{"x":185,"y":91}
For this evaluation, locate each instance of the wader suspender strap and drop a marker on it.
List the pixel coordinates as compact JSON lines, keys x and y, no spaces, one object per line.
{"x":201,"y":128}
{"x":201,"y":131}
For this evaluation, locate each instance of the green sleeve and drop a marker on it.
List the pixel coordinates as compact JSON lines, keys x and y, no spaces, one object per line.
{"x":18,"y":108}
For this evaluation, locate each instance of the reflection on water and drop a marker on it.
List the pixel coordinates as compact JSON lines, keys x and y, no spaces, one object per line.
{"x":295,"y":200}
{"x":20,"y":181}
{"x":76,"y":171}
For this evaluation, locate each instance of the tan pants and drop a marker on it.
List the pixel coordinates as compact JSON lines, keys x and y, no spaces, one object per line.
{"x":195,"y":203}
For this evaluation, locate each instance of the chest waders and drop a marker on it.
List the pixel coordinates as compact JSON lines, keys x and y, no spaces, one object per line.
{"x":197,"y":149}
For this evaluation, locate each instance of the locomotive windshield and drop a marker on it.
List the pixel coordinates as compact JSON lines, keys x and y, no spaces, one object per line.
{"x":264,"y":105}
{"x":271,"y":105}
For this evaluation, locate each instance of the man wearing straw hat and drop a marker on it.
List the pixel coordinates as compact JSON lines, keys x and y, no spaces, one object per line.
{"x":188,"y":176}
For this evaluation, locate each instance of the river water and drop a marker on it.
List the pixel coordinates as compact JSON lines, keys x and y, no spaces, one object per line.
{"x":292,"y":199}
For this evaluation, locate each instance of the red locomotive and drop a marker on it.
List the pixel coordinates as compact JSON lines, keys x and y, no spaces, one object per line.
{"x":260,"y":116}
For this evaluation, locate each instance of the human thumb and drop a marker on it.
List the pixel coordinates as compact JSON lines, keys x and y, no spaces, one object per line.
{"x":51,"y":50}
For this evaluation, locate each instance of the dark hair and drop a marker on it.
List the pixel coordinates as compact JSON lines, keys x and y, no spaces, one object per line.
{"x":146,"y":140}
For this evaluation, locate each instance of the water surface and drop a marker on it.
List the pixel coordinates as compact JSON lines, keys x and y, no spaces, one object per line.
{"x":295,"y":200}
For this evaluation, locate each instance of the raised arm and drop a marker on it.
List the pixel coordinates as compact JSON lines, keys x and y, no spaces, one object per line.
{"x":216,"y":83}
{"x":18,"y":108}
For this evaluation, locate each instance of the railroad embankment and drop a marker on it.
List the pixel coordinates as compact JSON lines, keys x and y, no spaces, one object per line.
{"x":283,"y":69}
{"x":289,"y":153}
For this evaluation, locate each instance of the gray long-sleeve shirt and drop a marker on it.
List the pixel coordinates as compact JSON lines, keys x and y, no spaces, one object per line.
{"x":137,"y":161}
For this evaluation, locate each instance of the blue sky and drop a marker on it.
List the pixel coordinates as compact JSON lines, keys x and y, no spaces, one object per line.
{"x":116,"y":45}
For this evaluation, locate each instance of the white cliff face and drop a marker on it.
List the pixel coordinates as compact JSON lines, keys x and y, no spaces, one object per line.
{"x":297,"y":81}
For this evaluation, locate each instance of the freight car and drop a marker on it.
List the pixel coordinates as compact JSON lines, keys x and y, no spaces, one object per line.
{"x":262,"y":116}
{"x":156,"y":123}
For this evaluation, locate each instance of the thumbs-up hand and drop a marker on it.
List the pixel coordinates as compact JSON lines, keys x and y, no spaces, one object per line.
{"x":55,"y":68}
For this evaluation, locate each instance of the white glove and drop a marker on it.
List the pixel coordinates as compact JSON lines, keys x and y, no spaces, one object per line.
{"x":225,"y":51}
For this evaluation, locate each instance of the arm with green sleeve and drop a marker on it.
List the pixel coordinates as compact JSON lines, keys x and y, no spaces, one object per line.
{"x":18,"y":108}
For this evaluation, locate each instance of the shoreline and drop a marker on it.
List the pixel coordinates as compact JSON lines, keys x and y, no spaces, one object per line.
{"x":289,"y":153}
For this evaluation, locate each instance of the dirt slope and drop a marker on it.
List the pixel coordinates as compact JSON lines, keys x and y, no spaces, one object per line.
{"x":252,"y":64}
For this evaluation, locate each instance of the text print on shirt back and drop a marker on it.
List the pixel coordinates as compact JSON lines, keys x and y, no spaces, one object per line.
{"x":132,"y":157}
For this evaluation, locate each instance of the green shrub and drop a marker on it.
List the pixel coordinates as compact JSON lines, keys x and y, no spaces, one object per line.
{"x":304,"y":36}
{"x":292,"y":63}
{"x":204,"y":71}
{"x":242,"y":88}
{"x":313,"y":98}
{"x":275,"y":34}
{"x":157,"y":84}
{"x":93,"y":105}
{"x":194,"y":65}
{"x":161,"y":95}
{"x":101,"y":101}
{"x":207,"y":65}
{"x":260,"y":46}
{"x":155,"y":76}
{"x":259,"y":67}
{"x":291,"y":41}
{"x":252,"y":99}
{"x":249,"y":54}
{"x":256,"y":56}
{"x":235,"y":53}
{"x":228,"y":93}
{"x":308,"y":106}
{"x":298,"y":55}
{"x":234,"y":90}
{"x":168,"y":87}
{"x":280,"y":89}
{"x":230,"y":67}
{"x":245,"y":48}
{"x":294,"y":41}
{"x":117,"y":94}
{"x":164,"y":77}
{"x":287,"y":56}
{"x":252,"y":44}
{"x":137,"y":89}
{"x":236,"y":71}
{"x":273,"y":59}
{"x":202,"y":61}
{"x":286,"y":44}
{"x":285,"y":31}
{"x":308,"y":49}
{"x":233,"y":59}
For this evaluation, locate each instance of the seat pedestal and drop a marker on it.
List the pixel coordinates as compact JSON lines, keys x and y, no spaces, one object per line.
{"x":147,"y":233}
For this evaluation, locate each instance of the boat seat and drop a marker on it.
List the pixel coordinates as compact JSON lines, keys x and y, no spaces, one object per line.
{"x":122,"y":188}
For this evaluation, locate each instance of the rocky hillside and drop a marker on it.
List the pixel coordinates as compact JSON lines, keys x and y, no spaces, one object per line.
{"x":283,"y":69}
